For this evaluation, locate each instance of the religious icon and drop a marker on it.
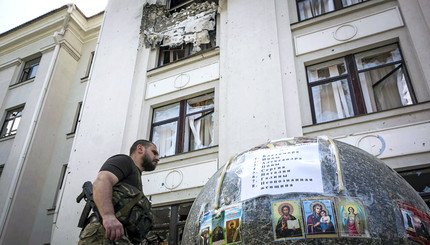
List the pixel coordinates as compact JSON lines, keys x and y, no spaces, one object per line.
{"x":352,"y":218}
{"x":233,"y":217}
{"x":319,"y":216}
{"x":407,"y":219}
{"x":416,"y":223}
{"x":205,"y":228}
{"x":233,"y":231}
{"x":218,"y":228}
{"x":204,"y":236}
{"x":287,"y":220}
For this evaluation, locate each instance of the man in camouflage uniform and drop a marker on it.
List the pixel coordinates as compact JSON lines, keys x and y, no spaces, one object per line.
{"x":119,"y":174}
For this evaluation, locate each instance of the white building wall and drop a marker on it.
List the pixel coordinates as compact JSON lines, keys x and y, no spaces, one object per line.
{"x":258,"y":76}
{"x":251,"y":96}
{"x":104,"y":114}
{"x":34,"y":157}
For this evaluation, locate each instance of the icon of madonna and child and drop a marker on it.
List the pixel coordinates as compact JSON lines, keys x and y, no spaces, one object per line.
{"x":320,"y":220}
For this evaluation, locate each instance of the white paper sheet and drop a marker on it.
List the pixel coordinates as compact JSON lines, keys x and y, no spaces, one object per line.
{"x":282,"y":170}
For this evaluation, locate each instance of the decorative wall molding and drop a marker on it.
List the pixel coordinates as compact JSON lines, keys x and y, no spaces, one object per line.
{"x":183,"y":80}
{"x":14,"y":62}
{"x":352,"y":30}
{"x":176,"y":179}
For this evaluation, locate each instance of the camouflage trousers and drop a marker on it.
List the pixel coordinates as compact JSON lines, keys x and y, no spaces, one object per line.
{"x":95,"y":234}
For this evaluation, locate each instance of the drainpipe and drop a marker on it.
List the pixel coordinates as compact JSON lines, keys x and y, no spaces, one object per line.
{"x":30,"y":134}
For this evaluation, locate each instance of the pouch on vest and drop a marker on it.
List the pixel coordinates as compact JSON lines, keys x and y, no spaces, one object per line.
{"x":137,"y":220}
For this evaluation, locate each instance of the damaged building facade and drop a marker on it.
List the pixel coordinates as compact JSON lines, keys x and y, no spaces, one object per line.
{"x":204,"y":80}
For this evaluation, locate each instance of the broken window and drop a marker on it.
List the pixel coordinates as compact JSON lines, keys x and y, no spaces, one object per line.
{"x":312,"y":8}
{"x":179,"y":34}
{"x":11,"y":122}
{"x":184,"y":126}
{"x":30,"y":70}
{"x":170,"y":54}
{"x":366,"y":82}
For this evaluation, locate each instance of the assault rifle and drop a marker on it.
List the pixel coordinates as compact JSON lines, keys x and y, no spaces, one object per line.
{"x":87,"y":194}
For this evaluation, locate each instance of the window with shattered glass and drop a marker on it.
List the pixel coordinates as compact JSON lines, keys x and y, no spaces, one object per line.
{"x":179,"y":29}
{"x":362,"y":83}
{"x":168,"y":54}
{"x":169,"y":222}
{"x":311,"y":8}
{"x":184,"y":126}
{"x":11,"y":122}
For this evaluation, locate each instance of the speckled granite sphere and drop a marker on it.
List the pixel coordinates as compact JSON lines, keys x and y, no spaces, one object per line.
{"x":307,"y":190}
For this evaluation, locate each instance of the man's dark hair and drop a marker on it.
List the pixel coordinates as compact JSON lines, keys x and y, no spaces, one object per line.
{"x":285,"y":206}
{"x":144,"y":143}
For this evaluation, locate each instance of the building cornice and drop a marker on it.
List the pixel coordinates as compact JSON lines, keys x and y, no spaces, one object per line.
{"x":14,"y":62}
{"x":66,"y":18}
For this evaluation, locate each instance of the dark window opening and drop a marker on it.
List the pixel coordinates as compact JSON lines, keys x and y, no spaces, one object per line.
{"x":366,"y":82}
{"x":170,"y":54}
{"x":11,"y":122}
{"x":419,"y":179}
{"x":184,"y":126}
{"x":76,"y":119}
{"x":177,"y":5}
{"x":30,"y":70}
{"x":311,"y":8}
{"x":169,"y":222}
{"x":90,"y":63}
{"x":59,"y":185}
{"x":1,"y":169}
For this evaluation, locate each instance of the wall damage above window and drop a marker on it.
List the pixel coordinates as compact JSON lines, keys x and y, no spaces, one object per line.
{"x":191,"y":25}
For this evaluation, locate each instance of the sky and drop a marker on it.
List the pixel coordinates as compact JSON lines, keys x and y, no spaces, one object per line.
{"x":16,"y":12}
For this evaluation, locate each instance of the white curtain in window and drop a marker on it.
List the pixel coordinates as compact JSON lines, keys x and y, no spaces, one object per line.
{"x":164,"y":137}
{"x":312,"y":8}
{"x":351,"y":2}
{"x":332,"y":101}
{"x":390,"y":93}
{"x":202,"y":131}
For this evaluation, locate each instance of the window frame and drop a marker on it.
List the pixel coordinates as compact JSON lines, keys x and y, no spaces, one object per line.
{"x":1,"y":169}
{"x":175,"y":223}
{"x":413,"y":182}
{"x":11,"y":132}
{"x":61,"y":179}
{"x":353,"y":80}
{"x":89,"y":65}
{"x":187,"y":48}
{"x":338,"y":5}
{"x":28,"y":69}
{"x":181,"y":122}
{"x":76,"y":119}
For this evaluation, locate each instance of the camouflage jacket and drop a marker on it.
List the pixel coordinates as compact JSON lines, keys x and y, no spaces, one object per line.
{"x":137,"y":220}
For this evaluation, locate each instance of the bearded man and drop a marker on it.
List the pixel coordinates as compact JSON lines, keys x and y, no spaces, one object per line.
{"x":118,"y":183}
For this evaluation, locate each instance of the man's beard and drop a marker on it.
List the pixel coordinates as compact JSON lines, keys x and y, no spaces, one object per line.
{"x":147,"y":163}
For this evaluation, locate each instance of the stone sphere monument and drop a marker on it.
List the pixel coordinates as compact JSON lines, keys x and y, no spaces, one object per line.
{"x":307,"y":190}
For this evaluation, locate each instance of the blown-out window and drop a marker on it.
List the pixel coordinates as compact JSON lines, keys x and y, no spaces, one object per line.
{"x":312,"y":8}
{"x":357,"y":84}
{"x":170,"y":54}
{"x":184,"y":126}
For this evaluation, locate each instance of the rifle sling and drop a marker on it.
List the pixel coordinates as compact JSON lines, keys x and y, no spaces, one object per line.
{"x":129,"y":205}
